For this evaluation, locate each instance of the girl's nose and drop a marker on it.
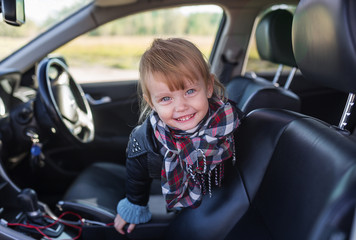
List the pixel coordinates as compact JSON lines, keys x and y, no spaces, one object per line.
{"x":180,"y":104}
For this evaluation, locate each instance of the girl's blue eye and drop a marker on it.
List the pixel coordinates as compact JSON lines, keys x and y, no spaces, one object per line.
{"x":190,"y":91}
{"x":165,"y":99}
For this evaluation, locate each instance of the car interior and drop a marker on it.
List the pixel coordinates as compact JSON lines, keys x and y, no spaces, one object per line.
{"x":295,"y":175}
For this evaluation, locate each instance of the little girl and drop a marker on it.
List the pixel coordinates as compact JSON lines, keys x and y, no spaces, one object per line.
{"x":186,"y":132}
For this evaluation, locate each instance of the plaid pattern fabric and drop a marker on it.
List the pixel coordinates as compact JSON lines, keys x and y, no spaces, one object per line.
{"x":193,"y":153}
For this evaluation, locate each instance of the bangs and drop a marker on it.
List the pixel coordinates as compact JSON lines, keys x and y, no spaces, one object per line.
{"x":177,"y":79}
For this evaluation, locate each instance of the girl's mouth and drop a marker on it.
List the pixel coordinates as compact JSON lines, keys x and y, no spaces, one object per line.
{"x":185,"y":118}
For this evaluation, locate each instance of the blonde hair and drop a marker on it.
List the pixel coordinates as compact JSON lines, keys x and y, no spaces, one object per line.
{"x":176,"y":59}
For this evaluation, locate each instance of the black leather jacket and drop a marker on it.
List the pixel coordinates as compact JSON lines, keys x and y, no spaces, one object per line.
{"x":143,"y":163}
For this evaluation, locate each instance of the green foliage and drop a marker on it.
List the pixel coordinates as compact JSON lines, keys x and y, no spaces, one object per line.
{"x":112,"y":54}
{"x":195,"y":26}
{"x":162,"y":22}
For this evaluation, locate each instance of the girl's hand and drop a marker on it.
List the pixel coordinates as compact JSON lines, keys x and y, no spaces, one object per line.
{"x":119,"y":224}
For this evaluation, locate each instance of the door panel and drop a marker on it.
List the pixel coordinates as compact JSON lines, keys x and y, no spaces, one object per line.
{"x":114,"y":120}
{"x":119,"y":116}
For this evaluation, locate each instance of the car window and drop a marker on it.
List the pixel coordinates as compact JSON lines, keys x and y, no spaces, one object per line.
{"x":39,"y":18}
{"x":112,"y":51}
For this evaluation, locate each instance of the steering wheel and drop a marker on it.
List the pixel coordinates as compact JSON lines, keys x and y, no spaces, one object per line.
{"x":64,"y":101}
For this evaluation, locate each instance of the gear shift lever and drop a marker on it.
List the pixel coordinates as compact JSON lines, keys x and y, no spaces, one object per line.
{"x":29,"y":202}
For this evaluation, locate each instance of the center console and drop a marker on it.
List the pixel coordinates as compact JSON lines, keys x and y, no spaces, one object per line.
{"x":23,"y":217}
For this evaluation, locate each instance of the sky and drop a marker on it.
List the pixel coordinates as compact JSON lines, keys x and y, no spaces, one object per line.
{"x":38,"y":10}
{"x":205,"y":8}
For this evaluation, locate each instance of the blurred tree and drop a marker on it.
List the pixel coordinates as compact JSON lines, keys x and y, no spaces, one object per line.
{"x":195,"y":26}
{"x":161,"y":22}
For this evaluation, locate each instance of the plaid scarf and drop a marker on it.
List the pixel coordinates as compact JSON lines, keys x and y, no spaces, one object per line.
{"x":191,"y":156}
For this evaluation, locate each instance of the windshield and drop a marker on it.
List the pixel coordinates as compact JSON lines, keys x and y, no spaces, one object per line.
{"x":40,"y":16}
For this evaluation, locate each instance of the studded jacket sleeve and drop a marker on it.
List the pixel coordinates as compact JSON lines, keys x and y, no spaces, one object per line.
{"x":138,"y":181}
{"x":143,"y":163}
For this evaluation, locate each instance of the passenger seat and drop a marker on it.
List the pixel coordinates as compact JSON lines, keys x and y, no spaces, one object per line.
{"x":274,"y":44}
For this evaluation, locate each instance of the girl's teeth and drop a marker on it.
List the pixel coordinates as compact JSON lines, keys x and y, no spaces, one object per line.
{"x":185,"y":118}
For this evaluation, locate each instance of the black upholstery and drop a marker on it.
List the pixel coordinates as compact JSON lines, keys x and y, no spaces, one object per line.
{"x":96,"y":192}
{"x":253,"y":93}
{"x":97,"y":178}
{"x":274,"y":44}
{"x":295,"y":170}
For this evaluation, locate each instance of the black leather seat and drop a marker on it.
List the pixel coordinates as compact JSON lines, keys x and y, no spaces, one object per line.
{"x":296,"y":175}
{"x":300,"y":175}
{"x":274,"y":44}
{"x":301,"y":172}
{"x":93,"y":195}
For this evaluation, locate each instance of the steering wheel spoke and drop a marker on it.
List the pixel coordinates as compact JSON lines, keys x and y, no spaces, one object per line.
{"x":64,"y":100}
{"x":85,"y":122}
{"x":84,"y":119}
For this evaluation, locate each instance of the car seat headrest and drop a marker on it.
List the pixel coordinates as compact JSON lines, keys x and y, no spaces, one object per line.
{"x":274,"y":37}
{"x":324,"y":42}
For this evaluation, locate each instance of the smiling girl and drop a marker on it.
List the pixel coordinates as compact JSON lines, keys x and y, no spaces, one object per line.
{"x":186,"y":134}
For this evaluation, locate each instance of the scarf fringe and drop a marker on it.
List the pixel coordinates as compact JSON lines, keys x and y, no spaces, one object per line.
{"x":206,"y":186}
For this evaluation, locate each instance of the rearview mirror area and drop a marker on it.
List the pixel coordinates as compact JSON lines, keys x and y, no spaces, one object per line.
{"x":13,"y":12}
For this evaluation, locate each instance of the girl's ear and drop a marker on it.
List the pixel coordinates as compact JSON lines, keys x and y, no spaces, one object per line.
{"x":210,"y":87}
{"x":147,"y":99}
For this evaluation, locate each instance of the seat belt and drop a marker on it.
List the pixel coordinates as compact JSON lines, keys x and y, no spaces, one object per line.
{"x":230,"y":61}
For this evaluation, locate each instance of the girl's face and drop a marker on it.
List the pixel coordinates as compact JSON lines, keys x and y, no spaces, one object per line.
{"x":182,"y":109}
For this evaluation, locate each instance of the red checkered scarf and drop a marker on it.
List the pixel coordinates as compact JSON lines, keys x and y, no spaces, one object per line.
{"x":189,"y":155}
